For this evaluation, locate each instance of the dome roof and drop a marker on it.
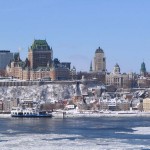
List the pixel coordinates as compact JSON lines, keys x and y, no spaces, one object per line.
{"x":117,"y":65}
{"x":99,"y":50}
{"x":116,"y":69}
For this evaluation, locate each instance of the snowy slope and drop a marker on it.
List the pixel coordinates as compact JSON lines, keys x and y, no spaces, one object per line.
{"x":44,"y":92}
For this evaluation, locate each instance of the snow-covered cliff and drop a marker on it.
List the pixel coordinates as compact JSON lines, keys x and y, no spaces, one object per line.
{"x":48,"y":92}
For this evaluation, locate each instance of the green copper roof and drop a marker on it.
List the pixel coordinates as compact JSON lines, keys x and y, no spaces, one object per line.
{"x":40,"y":45}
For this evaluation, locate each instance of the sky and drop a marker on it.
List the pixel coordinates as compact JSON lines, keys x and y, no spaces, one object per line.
{"x":76,"y":28}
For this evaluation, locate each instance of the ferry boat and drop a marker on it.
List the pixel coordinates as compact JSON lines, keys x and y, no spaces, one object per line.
{"x":29,"y":113}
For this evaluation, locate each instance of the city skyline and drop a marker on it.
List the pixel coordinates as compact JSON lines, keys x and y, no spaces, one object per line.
{"x":75,"y":29}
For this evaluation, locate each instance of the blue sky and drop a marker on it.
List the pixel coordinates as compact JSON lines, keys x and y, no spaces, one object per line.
{"x":76,"y":28}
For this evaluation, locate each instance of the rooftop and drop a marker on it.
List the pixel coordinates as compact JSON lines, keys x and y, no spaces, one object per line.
{"x":40,"y":45}
{"x":116,"y":65}
{"x":4,"y":51}
{"x":99,"y":50}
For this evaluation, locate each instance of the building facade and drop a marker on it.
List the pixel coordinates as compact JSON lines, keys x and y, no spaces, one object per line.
{"x":99,"y":61}
{"x":146,"y":104}
{"x":39,"y":54}
{"x":5,"y":58}
{"x":60,"y":73}
{"x":14,"y":68}
{"x":39,"y":64}
{"x":117,"y":79}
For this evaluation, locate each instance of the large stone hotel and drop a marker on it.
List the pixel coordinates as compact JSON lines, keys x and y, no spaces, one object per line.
{"x":39,"y":64}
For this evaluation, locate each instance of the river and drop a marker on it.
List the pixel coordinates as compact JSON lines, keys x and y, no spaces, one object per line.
{"x":75,"y":133}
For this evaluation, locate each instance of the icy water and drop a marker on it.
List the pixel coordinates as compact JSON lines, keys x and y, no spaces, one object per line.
{"x":75,"y":134}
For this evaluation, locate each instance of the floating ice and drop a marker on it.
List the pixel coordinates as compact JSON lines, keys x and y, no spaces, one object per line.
{"x":142,"y":130}
{"x":64,"y":142}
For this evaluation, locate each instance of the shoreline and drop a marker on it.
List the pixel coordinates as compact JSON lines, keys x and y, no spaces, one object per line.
{"x":89,"y":114}
{"x":70,"y":114}
{"x":5,"y":115}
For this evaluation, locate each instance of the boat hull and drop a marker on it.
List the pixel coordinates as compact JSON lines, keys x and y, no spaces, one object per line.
{"x":33,"y":116}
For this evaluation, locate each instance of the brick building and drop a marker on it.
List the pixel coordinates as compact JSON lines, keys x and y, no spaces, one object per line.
{"x":39,"y":54}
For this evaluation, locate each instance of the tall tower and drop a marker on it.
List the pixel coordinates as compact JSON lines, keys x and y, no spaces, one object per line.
{"x":91,"y":69}
{"x":39,"y":54}
{"x":99,"y":61}
{"x":143,"y":69}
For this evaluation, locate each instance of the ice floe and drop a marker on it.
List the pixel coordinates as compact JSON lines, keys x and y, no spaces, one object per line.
{"x":65,"y":142}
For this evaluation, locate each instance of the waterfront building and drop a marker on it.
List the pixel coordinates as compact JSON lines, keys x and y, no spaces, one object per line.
{"x":123,"y":105}
{"x":9,"y":103}
{"x":99,"y":61}
{"x":146,"y":104}
{"x":5,"y":57}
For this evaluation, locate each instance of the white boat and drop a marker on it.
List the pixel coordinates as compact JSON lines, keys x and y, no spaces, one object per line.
{"x":29,"y":113}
